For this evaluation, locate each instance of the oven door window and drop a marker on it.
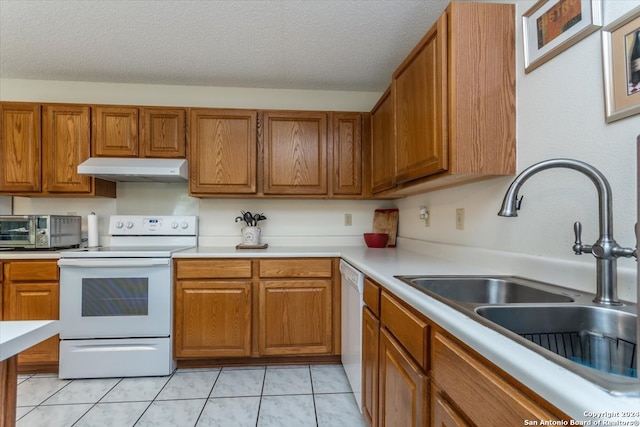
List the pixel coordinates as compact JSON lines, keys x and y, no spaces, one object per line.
{"x":120,"y":296}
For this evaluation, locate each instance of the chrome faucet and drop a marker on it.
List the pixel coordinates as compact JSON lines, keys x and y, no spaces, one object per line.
{"x":605,"y":249}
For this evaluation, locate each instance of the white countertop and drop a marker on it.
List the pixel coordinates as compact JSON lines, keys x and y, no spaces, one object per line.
{"x":567,"y":391}
{"x":19,"y":335}
{"x":11,"y":255}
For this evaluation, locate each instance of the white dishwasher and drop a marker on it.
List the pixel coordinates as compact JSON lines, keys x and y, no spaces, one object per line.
{"x":352,"y":303}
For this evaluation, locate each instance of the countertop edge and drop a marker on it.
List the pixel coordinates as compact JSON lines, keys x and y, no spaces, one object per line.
{"x":19,"y":335}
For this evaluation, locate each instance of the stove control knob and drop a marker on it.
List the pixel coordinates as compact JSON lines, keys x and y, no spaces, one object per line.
{"x":119,"y":224}
{"x":129,"y":224}
{"x":174,"y":225}
{"x":184,"y":225}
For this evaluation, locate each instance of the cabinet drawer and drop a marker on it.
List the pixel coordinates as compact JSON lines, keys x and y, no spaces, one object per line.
{"x":288,"y":267}
{"x":484,"y":397}
{"x":371,"y":296}
{"x":412,"y":332}
{"x":32,"y":270}
{"x":213,"y":268}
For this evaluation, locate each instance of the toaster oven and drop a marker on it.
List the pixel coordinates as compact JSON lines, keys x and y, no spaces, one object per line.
{"x":40,"y":231}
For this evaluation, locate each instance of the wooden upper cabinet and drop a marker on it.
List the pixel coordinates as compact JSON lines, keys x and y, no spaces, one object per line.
{"x":222,"y":153}
{"x":66,"y":143}
{"x":114,"y":132}
{"x":295,"y":153}
{"x":382,"y":144}
{"x":20,"y":148}
{"x":419,"y":97}
{"x":162,"y":132}
{"x":347,"y":153}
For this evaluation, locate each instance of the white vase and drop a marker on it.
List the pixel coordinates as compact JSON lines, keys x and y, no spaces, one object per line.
{"x":250,"y":235}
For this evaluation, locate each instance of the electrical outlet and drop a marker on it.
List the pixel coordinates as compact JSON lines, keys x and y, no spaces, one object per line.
{"x":424,"y":215}
{"x":347,"y":220}
{"x":460,"y":219}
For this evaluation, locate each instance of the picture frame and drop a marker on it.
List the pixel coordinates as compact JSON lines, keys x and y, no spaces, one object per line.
{"x":552,"y":26}
{"x":621,"y":83}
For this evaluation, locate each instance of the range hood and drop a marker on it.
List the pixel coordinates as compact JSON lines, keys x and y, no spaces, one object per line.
{"x":135,"y":169}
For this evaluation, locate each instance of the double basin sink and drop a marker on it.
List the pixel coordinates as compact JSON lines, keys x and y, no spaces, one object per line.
{"x":594,"y":341}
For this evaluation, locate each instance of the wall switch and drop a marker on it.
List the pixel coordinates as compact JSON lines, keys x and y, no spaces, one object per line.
{"x":460,"y":219}
{"x":347,"y":219}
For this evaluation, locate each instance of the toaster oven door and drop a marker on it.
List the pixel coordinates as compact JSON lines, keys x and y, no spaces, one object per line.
{"x":17,"y":231}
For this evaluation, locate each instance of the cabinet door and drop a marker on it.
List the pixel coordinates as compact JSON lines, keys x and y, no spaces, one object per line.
{"x":347,"y":153}
{"x":114,"y":132}
{"x":370,"y":365}
{"x":213,"y":319}
{"x":445,"y":416}
{"x":162,"y":132}
{"x":66,"y":143}
{"x":34,"y":301}
{"x":295,"y":153}
{"x":295,"y":317}
{"x":402,"y":386}
{"x":20,"y":148}
{"x":223,"y":153}
{"x":382,"y":145}
{"x":420,"y":103}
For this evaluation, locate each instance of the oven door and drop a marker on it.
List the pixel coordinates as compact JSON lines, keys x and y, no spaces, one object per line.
{"x":17,"y":231}
{"x":115,"y":298}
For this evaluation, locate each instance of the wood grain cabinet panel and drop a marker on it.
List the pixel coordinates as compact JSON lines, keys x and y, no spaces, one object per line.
{"x":213,"y":319}
{"x":162,"y":132}
{"x":419,"y":96}
{"x":114,"y":131}
{"x":223,"y":152}
{"x":402,"y":386}
{"x":295,"y":153}
{"x":31,"y":292}
{"x":20,"y":148}
{"x":66,"y":134}
{"x":382,"y":144}
{"x":481,"y":395}
{"x":347,"y":153}
{"x":295,"y":317}
{"x":370,"y":364}
{"x":446,"y":416}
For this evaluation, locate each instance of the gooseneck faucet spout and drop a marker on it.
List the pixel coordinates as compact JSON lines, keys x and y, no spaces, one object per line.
{"x":605,"y":249}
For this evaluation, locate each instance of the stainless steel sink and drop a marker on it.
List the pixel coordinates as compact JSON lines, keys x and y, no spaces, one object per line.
{"x":595,"y":341}
{"x":485,"y":290}
{"x":597,"y":337}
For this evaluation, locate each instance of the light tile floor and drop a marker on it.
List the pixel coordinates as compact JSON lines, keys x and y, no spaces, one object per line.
{"x":287,"y":396}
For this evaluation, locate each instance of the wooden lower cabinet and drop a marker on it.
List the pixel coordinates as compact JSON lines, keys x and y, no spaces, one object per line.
{"x":415,"y":374}
{"x":370,"y":352}
{"x":481,"y":394}
{"x":402,"y":386}
{"x":218,"y":320}
{"x":444,"y":415}
{"x":232,"y":308}
{"x":295,"y":317}
{"x":32,"y":292}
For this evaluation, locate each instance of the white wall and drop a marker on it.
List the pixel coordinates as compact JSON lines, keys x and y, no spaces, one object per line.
{"x":560,"y":113}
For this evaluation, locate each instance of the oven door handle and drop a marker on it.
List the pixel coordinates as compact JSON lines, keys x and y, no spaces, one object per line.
{"x":113,"y":263}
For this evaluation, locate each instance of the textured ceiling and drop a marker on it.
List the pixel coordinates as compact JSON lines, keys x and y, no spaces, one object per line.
{"x":305,"y":44}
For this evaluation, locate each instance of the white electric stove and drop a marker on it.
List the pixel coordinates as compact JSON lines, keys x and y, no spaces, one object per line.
{"x":116,"y":302}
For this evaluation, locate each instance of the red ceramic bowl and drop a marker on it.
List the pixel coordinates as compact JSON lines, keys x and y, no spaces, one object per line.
{"x":376,"y":240}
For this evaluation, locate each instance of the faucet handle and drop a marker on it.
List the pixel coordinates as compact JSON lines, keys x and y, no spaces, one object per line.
{"x":578,"y":247}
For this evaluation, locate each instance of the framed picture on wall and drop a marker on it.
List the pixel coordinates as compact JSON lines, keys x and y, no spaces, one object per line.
{"x":552,"y":26}
{"x":621,"y":65}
